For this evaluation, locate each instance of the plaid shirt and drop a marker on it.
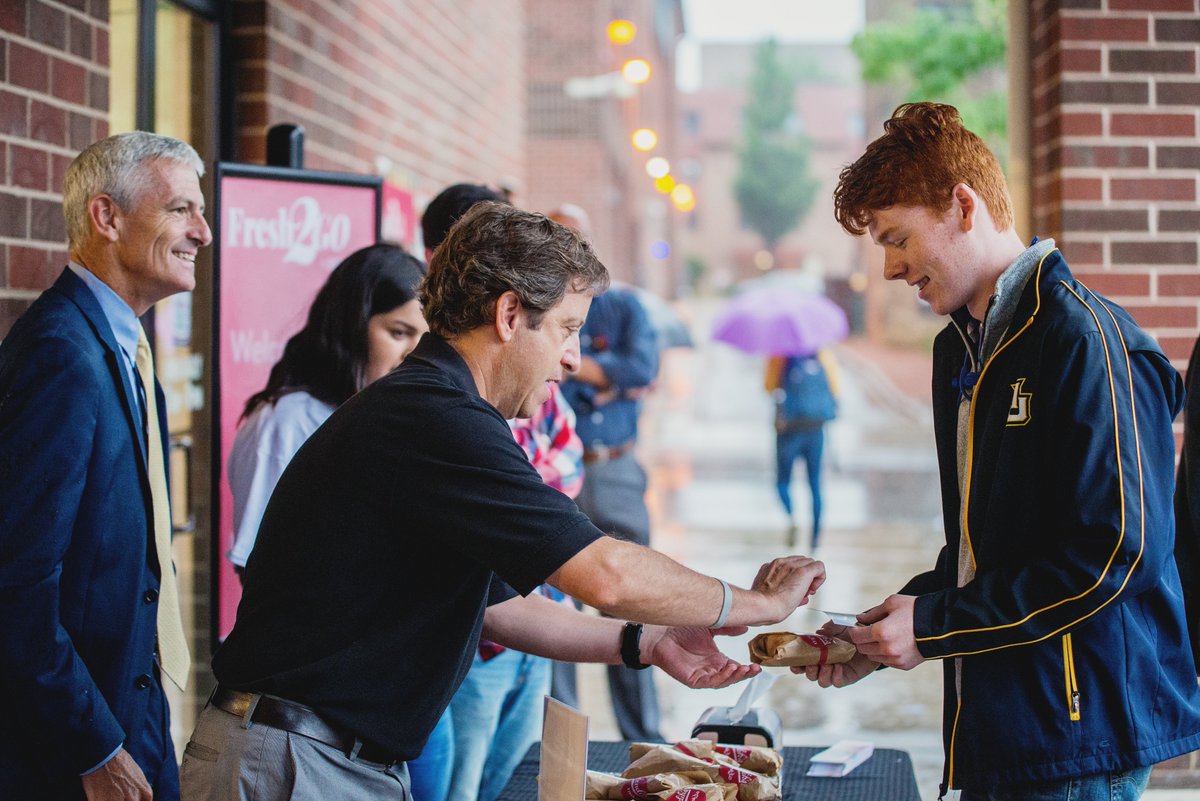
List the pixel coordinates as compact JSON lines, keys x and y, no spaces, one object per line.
{"x":549,"y":440}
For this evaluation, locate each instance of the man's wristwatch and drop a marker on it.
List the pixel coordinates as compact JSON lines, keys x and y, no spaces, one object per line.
{"x":631,"y":651}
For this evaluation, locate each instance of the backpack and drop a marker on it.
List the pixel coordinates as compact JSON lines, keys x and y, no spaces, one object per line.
{"x":804,"y":401}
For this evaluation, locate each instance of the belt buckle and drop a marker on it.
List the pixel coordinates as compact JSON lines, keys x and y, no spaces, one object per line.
{"x":602,"y":453}
{"x":237,"y":703}
{"x":251,"y":706}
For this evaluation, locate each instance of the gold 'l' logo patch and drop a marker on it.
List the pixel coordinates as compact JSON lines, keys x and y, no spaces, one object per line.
{"x":1018,"y":410}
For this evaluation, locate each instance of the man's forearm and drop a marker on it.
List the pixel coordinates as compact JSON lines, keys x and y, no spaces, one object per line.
{"x":637,"y":583}
{"x":539,"y":626}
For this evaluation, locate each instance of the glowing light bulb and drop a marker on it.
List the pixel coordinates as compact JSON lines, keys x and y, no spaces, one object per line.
{"x":657,"y":167}
{"x":621,"y":31}
{"x":644,"y":139}
{"x":683,"y":197}
{"x":636,"y":70}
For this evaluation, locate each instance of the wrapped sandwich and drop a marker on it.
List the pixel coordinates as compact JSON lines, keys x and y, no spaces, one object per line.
{"x":750,"y":785}
{"x":784,"y":649}
{"x":759,"y":759}
{"x":659,"y":785}
{"x":699,"y":792}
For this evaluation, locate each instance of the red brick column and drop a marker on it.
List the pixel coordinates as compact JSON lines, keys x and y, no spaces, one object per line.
{"x":1115,"y":153}
{"x":53,"y":103}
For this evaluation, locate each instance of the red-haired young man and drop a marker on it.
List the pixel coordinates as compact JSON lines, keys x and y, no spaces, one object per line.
{"x":1055,"y":604}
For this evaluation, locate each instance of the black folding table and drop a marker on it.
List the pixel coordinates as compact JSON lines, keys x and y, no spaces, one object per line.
{"x":886,"y":776}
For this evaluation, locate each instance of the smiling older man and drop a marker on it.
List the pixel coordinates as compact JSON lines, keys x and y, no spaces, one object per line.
{"x":87,"y":593}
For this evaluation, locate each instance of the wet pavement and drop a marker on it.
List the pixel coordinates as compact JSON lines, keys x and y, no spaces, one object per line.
{"x":708,"y":446}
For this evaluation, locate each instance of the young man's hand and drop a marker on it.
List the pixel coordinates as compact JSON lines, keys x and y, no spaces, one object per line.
{"x":887,"y":634}
{"x":840,"y":675}
{"x":690,"y":655}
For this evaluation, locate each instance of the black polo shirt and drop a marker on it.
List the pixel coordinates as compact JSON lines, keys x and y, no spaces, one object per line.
{"x":381,"y":547}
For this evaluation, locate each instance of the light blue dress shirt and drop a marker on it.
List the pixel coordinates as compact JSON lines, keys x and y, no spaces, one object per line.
{"x":125,"y":326}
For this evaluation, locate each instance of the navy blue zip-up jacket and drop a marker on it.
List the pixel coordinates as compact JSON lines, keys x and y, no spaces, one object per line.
{"x":1075,"y":657}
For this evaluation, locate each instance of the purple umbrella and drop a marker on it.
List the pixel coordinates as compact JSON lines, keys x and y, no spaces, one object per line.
{"x":776,"y":320}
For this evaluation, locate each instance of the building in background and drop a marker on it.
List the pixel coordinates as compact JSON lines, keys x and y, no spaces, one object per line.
{"x":580,"y":119}
{"x":828,"y":110}
{"x":892,"y":311}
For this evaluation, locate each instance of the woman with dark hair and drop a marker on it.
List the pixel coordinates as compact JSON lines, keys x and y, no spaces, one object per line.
{"x":361,"y":325}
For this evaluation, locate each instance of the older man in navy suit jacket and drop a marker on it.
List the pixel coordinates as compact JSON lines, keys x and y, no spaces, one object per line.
{"x":84,"y":710}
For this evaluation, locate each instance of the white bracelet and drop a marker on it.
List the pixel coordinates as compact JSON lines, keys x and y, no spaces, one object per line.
{"x":726,"y":605}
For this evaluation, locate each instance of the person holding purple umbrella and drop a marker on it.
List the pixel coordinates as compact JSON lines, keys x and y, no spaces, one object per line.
{"x":771,"y":321}
{"x":805,"y":390}
{"x":792,"y":328}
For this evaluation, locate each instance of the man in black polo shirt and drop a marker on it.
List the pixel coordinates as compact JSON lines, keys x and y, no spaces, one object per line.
{"x":411,"y":523}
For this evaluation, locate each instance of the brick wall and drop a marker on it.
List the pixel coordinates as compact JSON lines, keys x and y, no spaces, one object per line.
{"x":829,"y":106}
{"x":53,"y":103}
{"x":1115,"y":147}
{"x":579,"y":148}
{"x":1115,"y":154}
{"x":433,"y":89}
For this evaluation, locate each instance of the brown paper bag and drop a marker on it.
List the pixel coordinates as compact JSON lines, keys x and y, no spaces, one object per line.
{"x":757,"y":758}
{"x":699,"y":792}
{"x":597,"y":785}
{"x":751,"y":786}
{"x":659,"y":758}
{"x":652,"y":787}
{"x":760,"y":759}
{"x":784,"y":649}
{"x":701,"y":749}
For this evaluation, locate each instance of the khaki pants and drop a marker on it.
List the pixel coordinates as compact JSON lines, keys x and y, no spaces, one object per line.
{"x":229,"y":759}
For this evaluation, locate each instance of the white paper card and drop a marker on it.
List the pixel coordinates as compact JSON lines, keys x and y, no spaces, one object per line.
{"x":840,"y":758}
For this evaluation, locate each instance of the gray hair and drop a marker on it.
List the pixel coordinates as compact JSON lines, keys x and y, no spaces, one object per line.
{"x":116,"y":167}
{"x":495,"y":248}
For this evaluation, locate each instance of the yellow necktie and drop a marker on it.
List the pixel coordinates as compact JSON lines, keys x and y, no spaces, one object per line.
{"x":173,"y":655}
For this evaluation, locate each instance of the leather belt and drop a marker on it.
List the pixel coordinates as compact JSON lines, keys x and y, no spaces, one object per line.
{"x":602,"y":453}
{"x":267,"y":710}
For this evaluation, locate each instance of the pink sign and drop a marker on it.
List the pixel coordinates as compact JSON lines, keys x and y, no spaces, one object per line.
{"x":399,"y":219}
{"x":278,"y":240}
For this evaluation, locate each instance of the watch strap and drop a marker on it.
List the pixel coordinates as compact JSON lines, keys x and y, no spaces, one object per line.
{"x":631,"y":651}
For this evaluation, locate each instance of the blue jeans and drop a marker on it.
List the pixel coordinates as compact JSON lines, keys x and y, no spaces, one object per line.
{"x":790,"y":446}
{"x":497,"y":716}
{"x":614,"y":498}
{"x":429,"y":773}
{"x":1123,"y":786}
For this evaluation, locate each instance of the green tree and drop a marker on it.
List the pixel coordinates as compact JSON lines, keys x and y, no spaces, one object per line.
{"x":773,"y":187}
{"x":944,"y":55}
